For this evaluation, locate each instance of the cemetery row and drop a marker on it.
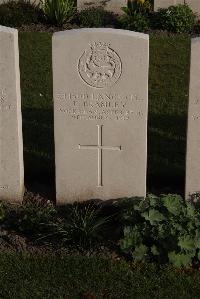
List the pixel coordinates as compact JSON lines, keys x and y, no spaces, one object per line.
{"x":100,"y":112}
{"x":116,"y":5}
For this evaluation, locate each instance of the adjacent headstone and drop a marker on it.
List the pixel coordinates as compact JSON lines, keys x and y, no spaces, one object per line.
{"x":193,"y":134}
{"x":100,"y":105}
{"x":166,"y":3}
{"x":109,"y":5}
{"x":195,"y":5}
{"x":11,"y":148}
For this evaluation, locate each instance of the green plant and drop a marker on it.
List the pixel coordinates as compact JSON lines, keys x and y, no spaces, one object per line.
{"x":95,"y":17}
{"x":197,"y":27}
{"x":82,"y":225}
{"x":137,"y":6}
{"x":2,"y":212}
{"x":136,"y":15}
{"x":59,"y":12}
{"x":164,"y":229}
{"x":32,"y":217}
{"x":137,"y":22}
{"x":16,"y":14}
{"x":178,"y":19}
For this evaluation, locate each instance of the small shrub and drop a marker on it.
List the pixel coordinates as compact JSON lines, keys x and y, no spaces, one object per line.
{"x":82,"y":226}
{"x":16,"y":14}
{"x":95,"y":17}
{"x":137,"y":6}
{"x":33,"y":217}
{"x":177,"y":19}
{"x":59,"y":12}
{"x":136,"y":15}
{"x":196,"y":28}
{"x":137,"y":22}
{"x":164,"y":229}
{"x":2,"y":212}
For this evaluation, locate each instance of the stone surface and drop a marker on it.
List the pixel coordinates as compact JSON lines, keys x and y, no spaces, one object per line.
{"x":109,"y":5}
{"x":166,"y":3}
{"x":195,"y":5}
{"x":11,"y":148}
{"x":193,"y":134}
{"x":100,"y":105}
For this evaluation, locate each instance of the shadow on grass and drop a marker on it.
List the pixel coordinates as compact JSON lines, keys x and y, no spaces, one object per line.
{"x":166,"y":153}
{"x":39,"y":154}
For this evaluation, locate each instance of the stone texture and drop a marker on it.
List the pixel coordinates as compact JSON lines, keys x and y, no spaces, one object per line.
{"x":195,"y":5}
{"x":166,"y":3}
{"x":100,"y":106}
{"x":193,"y":134}
{"x":11,"y":148}
{"x":109,"y":5}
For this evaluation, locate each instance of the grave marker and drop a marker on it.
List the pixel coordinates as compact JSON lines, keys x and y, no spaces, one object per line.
{"x":100,"y":106}
{"x":109,"y":5}
{"x":193,"y":134}
{"x":11,"y":148}
{"x":166,"y":3}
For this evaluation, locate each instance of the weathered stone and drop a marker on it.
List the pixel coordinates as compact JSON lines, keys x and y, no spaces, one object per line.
{"x":194,"y":4}
{"x":100,"y":105}
{"x":11,"y":148}
{"x":109,"y":5}
{"x":166,"y":3}
{"x":193,"y":134}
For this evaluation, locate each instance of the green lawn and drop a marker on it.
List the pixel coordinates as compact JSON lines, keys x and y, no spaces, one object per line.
{"x":168,"y":94}
{"x":26,"y":277}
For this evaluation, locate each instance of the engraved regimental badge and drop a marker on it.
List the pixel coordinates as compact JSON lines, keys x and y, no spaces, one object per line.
{"x":100,"y":66}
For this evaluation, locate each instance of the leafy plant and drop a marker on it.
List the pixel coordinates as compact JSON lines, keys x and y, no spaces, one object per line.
{"x":83,"y":225}
{"x":16,"y":14}
{"x":2,"y":212}
{"x":178,"y":19}
{"x":136,"y":15}
{"x":95,"y":17}
{"x":164,"y":229}
{"x":32,"y":217}
{"x":137,"y":6}
{"x":58,"y":12}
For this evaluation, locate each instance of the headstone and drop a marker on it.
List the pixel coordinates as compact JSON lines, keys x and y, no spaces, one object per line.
{"x":195,"y":5}
{"x":11,"y":148}
{"x":109,"y":5}
{"x":166,"y":3}
{"x":193,"y":134}
{"x":100,"y":105}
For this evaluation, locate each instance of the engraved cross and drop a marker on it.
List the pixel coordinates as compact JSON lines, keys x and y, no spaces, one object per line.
{"x":100,"y":149}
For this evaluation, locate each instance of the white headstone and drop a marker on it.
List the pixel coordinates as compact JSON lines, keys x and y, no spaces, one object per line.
{"x":109,"y":5}
{"x":101,"y":99}
{"x":195,"y":5}
{"x":193,"y":134}
{"x":11,"y":148}
{"x":166,"y":3}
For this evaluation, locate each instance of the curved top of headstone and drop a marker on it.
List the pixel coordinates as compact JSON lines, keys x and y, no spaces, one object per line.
{"x":103,"y":30}
{"x":8,"y":29}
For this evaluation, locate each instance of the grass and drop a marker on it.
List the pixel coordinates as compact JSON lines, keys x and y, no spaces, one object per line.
{"x":37,"y":276}
{"x":168,"y":96}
